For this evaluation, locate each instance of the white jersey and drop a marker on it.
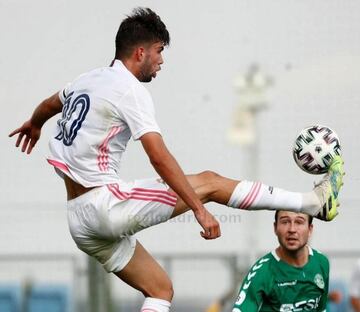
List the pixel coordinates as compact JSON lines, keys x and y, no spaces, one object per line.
{"x":102,"y":110}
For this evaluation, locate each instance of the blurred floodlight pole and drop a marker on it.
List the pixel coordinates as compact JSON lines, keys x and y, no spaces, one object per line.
{"x":251,"y":88}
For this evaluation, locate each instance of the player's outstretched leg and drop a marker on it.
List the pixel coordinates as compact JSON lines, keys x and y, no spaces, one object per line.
{"x":253,"y":195}
{"x":146,"y":275}
{"x":328,"y":190}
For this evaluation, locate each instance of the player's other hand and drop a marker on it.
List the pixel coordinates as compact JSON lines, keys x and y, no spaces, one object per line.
{"x":30,"y":133}
{"x":211,"y":227}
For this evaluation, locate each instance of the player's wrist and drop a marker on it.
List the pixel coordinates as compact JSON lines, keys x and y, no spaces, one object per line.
{"x":36,"y":122}
{"x":198,"y":209}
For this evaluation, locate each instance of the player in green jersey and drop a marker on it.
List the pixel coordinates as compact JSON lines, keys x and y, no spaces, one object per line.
{"x":293,"y":277}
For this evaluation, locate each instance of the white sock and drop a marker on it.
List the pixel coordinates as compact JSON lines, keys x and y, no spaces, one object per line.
{"x":258,"y":196}
{"x":155,"y":305}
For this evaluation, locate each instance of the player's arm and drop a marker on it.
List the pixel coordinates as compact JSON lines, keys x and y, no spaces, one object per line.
{"x":249,"y":300}
{"x":325,"y":296}
{"x":168,"y":168}
{"x":31,"y":129}
{"x":253,"y":288}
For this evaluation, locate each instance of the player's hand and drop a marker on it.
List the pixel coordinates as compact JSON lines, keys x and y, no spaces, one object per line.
{"x":31,"y":134}
{"x":208,"y":223}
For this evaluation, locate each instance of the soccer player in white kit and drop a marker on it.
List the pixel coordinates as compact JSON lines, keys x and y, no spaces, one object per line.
{"x":104,"y":108}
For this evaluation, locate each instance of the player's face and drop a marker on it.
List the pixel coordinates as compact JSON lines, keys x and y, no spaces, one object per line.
{"x":151,"y":61}
{"x":293,"y":230}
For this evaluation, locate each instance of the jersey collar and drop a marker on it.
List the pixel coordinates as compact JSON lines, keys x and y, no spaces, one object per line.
{"x":118,"y":64}
{"x":311,"y":253}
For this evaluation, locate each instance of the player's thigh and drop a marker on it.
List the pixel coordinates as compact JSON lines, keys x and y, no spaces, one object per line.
{"x":146,"y":275}
{"x":139,"y":205}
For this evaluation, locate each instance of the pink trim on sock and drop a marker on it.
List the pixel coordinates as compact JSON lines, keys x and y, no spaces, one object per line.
{"x":251,"y":196}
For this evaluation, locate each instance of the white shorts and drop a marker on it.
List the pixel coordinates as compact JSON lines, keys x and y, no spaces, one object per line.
{"x":102,"y":221}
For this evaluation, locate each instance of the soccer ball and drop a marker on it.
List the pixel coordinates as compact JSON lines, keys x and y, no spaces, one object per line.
{"x":315,"y":147}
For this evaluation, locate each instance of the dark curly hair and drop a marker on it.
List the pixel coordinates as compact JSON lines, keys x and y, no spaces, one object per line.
{"x":142,"y":26}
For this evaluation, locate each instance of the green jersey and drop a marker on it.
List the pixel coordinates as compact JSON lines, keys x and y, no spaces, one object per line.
{"x":274,"y":285}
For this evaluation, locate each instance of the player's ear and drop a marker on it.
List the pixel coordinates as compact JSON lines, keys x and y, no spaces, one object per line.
{"x":311,"y":226}
{"x":139,"y":53}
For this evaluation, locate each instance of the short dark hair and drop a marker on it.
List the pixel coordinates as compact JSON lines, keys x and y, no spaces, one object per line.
{"x":142,"y":26}
{"x":277,"y":214}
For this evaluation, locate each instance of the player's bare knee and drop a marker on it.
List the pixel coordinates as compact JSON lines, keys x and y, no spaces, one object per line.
{"x":161,"y":290}
{"x":166,"y":292}
{"x":209,"y":176}
{"x":208,"y":184}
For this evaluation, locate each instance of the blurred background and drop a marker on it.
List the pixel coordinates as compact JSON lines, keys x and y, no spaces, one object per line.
{"x":240,"y":80}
